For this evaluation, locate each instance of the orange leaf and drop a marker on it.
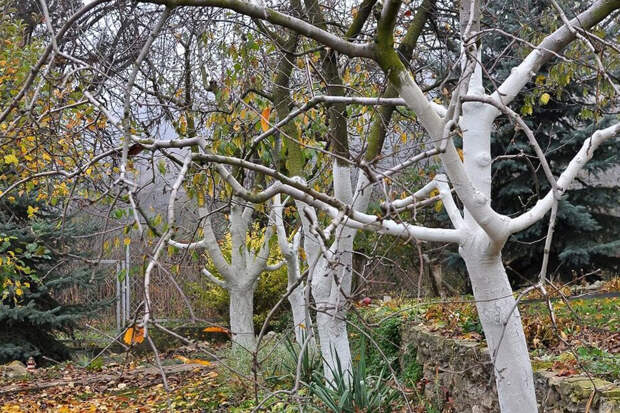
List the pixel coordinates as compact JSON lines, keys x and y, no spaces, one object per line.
{"x":264,"y":119}
{"x":128,"y":337}
{"x":192,"y":361}
{"x":134,"y":336}
{"x":201,"y":362}
{"x":139,"y":335}
{"x":182,"y":359}
{"x":216,"y":329}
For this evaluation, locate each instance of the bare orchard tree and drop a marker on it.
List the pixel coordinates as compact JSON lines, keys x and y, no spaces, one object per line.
{"x":332,"y":213}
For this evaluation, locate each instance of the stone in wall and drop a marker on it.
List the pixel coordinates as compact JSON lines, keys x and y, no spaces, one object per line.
{"x":460,"y":371}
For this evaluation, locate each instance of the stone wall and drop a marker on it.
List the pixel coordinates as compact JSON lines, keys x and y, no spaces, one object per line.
{"x":460,"y":370}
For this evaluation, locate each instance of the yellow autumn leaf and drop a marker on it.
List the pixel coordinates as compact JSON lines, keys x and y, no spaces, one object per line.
{"x":403,"y":137}
{"x":10,"y":159}
{"x":182,"y":359}
{"x":438,"y":204}
{"x":544,"y":98}
{"x":32,"y":210}
{"x":127,"y":241}
{"x":264,"y":119}
{"x":182,"y":125}
{"x":128,"y":337}
{"x":201,"y":362}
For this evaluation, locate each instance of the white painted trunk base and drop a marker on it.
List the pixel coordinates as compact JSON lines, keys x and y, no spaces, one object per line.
{"x":334,"y":344}
{"x":241,"y":318}
{"x":495,"y":301}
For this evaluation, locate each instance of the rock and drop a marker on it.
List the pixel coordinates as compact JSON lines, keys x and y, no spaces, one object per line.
{"x":594,"y":286}
{"x":270,"y":336}
{"x":14,"y":369}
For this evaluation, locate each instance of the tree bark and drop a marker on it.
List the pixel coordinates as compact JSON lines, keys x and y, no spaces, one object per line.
{"x":331,"y":291}
{"x":298,"y":308}
{"x":503,"y":330}
{"x":241,"y":317}
{"x":334,"y":343}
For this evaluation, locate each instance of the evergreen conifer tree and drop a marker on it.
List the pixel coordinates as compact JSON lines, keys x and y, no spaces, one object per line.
{"x":563,"y":98}
{"x":34,"y":266}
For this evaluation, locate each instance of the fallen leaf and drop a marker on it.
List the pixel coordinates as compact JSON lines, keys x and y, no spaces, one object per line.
{"x":201,"y":362}
{"x":134,"y":336}
{"x":216,"y":329}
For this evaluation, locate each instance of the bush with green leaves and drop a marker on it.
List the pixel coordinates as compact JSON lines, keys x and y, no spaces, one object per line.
{"x":382,"y":346}
{"x":382,"y":343}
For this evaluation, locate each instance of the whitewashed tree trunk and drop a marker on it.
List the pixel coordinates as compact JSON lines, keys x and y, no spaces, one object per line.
{"x":298,"y":310}
{"x":301,"y":317}
{"x":302,"y":323}
{"x":241,"y":316}
{"x":331,"y":290}
{"x":503,"y":330}
{"x":320,"y":277}
{"x":332,"y":271}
